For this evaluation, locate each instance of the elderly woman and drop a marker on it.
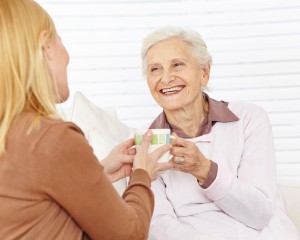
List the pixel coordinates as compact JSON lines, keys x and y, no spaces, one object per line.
{"x":223,"y":182}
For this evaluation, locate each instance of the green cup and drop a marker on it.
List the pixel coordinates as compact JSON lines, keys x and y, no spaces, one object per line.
{"x":160,"y":138}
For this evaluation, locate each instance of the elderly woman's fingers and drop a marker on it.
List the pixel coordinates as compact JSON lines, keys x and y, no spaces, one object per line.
{"x":180,"y":160}
{"x":181,"y":142}
{"x":180,"y":151}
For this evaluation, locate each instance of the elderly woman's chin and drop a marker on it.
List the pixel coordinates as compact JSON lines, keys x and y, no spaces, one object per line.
{"x":172,"y":105}
{"x":177,"y":101}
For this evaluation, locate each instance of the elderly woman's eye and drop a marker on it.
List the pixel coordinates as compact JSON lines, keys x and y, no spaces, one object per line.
{"x":178,"y":64}
{"x":154,"y":69}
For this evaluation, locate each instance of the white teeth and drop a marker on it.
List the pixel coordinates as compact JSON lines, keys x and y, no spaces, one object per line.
{"x":171,"y":90}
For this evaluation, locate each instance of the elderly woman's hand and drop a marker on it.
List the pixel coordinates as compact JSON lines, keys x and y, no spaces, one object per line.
{"x":188,"y":158}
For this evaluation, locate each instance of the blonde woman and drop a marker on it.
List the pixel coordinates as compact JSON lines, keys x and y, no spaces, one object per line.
{"x":51,"y":184}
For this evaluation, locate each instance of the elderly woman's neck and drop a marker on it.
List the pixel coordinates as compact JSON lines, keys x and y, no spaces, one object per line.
{"x":190,"y":117}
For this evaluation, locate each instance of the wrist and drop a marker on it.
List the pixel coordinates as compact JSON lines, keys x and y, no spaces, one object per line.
{"x":203,"y":173}
{"x":212,"y":175}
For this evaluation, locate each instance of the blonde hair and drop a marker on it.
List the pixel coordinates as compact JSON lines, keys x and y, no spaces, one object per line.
{"x":25,"y":77}
{"x":189,"y":36}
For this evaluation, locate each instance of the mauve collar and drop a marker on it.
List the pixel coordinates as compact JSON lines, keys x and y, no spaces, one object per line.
{"x":218,"y":111}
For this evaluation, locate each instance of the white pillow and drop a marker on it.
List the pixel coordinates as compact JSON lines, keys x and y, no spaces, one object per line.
{"x":88,"y":117}
{"x":102,"y":129}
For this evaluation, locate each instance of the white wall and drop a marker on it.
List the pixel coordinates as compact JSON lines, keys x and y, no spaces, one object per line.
{"x":255,"y":46}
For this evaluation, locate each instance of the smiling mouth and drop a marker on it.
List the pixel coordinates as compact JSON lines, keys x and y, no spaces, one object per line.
{"x":171,"y":90}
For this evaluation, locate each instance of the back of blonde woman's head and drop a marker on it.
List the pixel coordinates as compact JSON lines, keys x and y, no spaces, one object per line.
{"x":25,"y":78}
{"x":192,"y":38}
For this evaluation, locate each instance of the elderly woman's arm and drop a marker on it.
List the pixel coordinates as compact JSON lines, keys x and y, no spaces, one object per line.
{"x":249,"y":195}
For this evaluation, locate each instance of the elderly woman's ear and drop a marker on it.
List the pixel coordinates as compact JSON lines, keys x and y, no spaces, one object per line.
{"x":205,"y":76}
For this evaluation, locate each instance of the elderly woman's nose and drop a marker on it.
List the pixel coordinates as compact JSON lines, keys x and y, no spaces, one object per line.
{"x":167,"y":77}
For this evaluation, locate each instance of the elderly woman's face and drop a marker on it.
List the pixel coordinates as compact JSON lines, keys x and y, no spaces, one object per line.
{"x":174,"y":75}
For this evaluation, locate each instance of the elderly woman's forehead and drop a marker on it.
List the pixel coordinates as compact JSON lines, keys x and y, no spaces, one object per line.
{"x":174,"y":48}
{"x":174,"y":40}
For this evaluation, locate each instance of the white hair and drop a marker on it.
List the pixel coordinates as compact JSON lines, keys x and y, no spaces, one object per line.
{"x":189,"y":36}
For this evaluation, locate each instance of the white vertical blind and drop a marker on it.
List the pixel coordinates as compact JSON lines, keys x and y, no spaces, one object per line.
{"x":255,"y":47}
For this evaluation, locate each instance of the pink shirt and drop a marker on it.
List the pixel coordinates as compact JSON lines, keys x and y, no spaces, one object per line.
{"x":218,"y":112}
{"x":242,"y":202}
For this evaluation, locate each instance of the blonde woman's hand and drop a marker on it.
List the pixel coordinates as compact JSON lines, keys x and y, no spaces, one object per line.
{"x":148,"y":161}
{"x":118,"y":163}
{"x":188,"y":158}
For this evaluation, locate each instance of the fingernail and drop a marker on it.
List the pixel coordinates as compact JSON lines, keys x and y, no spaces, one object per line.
{"x":148,"y":133}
